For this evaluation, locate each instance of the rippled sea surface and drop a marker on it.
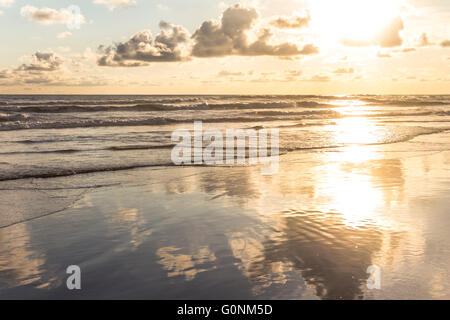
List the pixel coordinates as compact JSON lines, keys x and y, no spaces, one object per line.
{"x":88,"y":180}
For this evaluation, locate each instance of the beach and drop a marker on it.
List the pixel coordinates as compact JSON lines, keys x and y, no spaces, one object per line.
{"x":353,"y":190}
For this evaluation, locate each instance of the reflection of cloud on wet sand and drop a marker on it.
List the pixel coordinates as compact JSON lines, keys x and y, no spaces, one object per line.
{"x":249,"y":251}
{"x":331,"y":256}
{"x":187,"y":265}
{"x":129,"y":218}
{"x":327,"y":249}
{"x":19,"y":264}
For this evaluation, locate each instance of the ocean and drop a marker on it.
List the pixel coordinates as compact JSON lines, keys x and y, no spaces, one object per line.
{"x":47,"y":136}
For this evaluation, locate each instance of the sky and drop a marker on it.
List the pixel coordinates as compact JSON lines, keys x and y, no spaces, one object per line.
{"x":225,"y":47}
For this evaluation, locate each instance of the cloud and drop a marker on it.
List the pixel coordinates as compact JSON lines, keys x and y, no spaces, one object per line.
{"x":88,"y":54}
{"x":63,"y":49}
{"x":162,"y":7}
{"x":320,"y":78}
{"x":292,"y":22}
{"x":4,"y":74}
{"x":48,"y":69}
{"x":383,"y":55}
{"x":113,"y":4}
{"x":6,"y":3}
{"x":356,"y":42}
{"x":388,"y":37}
{"x":225,"y":73}
{"x":64,"y":35}
{"x":213,"y":39}
{"x":229,"y":37}
{"x":42,"y":61}
{"x":406,"y":50}
{"x":344,"y":71}
{"x":50,"y":16}
{"x":39,"y":80}
{"x":294,"y":73}
{"x":445,"y":43}
{"x":142,"y":48}
{"x":225,"y":38}
{"x":309,"y":49}
{"x":424,"y":41}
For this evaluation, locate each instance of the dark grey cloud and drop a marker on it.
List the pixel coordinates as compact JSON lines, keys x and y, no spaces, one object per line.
{"x":229,"y":37}
{"x":142,"y":48}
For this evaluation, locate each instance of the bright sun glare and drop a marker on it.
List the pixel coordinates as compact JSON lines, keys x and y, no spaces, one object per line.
{"x":352,"y":19}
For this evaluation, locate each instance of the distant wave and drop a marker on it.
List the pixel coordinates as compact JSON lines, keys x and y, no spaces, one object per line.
{"x":95,"y":101}
{"x":405,"y":101}
{"x":22,"y":123}
{"x":113,"y":148}
{"x":43,"y":151}
{"x":12,"y":117}
{"x":53,"y":173}
{"x":144,"y":122}
{"x":155,"y":107}
{"x":328,"y":113}
{"x":140,"y":147}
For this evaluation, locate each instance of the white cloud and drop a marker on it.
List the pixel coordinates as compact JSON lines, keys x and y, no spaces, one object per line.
{"x":388,"y":37}
{"x":112,"y":4}
{"x":49,"y":16}
{"x":291,"y":22}
{"x":6,"y":3}
{"x":162,"y":7}
{"x":229,"y":37}
{"x":63,"y":49}
{"x":143,"y":48}
{"x":64,"y":35}
{"x":42,"y":61}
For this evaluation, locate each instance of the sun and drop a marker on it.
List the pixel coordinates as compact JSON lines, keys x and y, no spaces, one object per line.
{"x":358,"y":20}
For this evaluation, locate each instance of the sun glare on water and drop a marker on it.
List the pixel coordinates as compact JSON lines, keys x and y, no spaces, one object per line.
{"x":352,"y":19}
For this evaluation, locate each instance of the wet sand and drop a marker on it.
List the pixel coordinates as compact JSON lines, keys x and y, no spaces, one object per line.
{"x":308,"y":232}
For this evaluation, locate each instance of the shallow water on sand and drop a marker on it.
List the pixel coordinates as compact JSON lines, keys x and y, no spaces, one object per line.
{"x":308,"y":232}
